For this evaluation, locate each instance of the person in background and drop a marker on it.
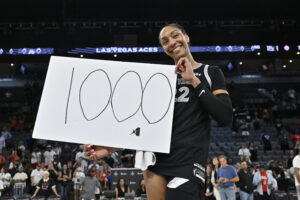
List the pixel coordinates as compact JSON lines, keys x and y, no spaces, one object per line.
{"x":121,"y":188}
{"x":253,"y":151}
{"x":64,"y":179}
{"x":105,"y":184}
{"x":20,"y":182}
{"x":264,"y":183}
{"x":46,"y":187}
{"x":296,"y":165}
{"x":266,"y":141}
{"x":89,"y":186}
{"x":35,"y":177}
{"x":214,"y":177}
{"x":209,"y":188}
{"x":141,"y":189}
{"x":245,"y":182}
{"x":78,"y":177}
{"x":5,"y":177}
{"x":48,"y":155}
{"x":244,"y":152}
{"x":2,"y":159}
{"x":227,"y":176}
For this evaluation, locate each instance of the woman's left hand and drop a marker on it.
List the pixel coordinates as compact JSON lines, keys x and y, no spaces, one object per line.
{"x":185,"y":69}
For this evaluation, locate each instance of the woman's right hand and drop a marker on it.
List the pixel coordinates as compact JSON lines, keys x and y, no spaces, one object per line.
{"x":94,"y":152}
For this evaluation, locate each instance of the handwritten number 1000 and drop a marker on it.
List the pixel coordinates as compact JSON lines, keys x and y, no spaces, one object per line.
{"x":143,"y":102}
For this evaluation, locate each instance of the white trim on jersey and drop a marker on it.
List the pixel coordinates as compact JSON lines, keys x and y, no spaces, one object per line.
{"x":176,"y":182}
{"x":207,"y":75}
{"x":200,"y":64}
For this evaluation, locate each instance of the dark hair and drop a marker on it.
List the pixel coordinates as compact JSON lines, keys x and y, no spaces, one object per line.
{"x":124,"y":182}
{"x":91,"y":170}
{"x":173,"y":25}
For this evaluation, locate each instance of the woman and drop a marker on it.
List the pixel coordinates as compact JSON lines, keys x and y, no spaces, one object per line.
{"x":78,"y":177}
{"x":253,"y":152}
{"x":5,"y":177}
{"x":121,"y":188}
{"x":53,"y":174}
{"x":209,"y":194}
{"x":103,"y":178}
{"x":64,"y":179}
{"x":141,"y":189}
{"x":200,"y":93}
{"x":214,"y":177}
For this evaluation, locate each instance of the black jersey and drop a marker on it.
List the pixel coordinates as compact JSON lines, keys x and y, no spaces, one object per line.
{"x":191,"y":128}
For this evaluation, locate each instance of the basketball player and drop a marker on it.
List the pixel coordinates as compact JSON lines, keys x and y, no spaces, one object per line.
{"x":200,"y":93}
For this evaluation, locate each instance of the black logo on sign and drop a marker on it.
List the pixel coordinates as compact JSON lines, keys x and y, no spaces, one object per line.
{"x":136,"y":131}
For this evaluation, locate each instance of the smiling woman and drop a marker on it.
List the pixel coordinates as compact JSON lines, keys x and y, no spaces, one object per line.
{"x":200,"y":93}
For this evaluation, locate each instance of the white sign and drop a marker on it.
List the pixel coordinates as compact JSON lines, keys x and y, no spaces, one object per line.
{"x":115,"y":104}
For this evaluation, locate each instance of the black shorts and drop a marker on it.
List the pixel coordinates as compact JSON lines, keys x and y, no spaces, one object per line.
{"x":189,"y":190}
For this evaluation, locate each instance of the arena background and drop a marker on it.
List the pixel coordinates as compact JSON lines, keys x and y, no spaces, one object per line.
{"x":255,"y":43}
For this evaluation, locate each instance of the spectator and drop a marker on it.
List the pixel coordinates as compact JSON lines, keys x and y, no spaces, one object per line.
{"x":253,"y":151}
{"x":227,"y":176}
{"x":296,"y":165}
{"x":278,"y":126}
{"x":13,"y":123}
{"x":245,"y":129}
{"x":89,"y":185}
{"x":94,"y":164}
{"x":214,"y":177}
{"x":35,"y":177}
{"x":244,"y":152}
{"x":36,"y":156}
{"x":21,"y":146}
{"x":280,"y":177}
{"x":264,"y":183}
{"x":67,"y":155}
{"x":256,"y":123}
{"x":78,"y":177}
{"x":46,"y":187}
{"x":64,"y":179}
{"x":283,"y":141}
{"x":48,"y":155}
{"x":5,"y":177}
{"x":21,"y":123}
{"x":2,"y":160}
{"x":56,"y":163}
{"x":209,"y":193}
{"x":245,"y":182}
{"x":81,"y":158}
{"x":109,"y":160}
{"x":141,"y":189}
{"x":7,"y":137}
{"x":20,"y":182}
{"x":57,"y":149}
{"x":2,"y":142}
{"x":290,"y":159}
{"x":14,"y":166}
{"x":1,"y":188}
{"x":6,"y":133}
{"x":53,"y":173}
{"x":121,"y":188}
{"x":105,"y":184}
{"x":266,"y":141}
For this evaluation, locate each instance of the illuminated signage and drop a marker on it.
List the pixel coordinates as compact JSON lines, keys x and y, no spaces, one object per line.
{"x":27,"y":51}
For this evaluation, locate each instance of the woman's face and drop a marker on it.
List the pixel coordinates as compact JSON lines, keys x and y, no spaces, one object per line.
{"x":65,"y":166}
{"x":208,"y":169}
{"x":122,"y":182}
{"x":2,"y":170}
{"x":215,"y":161}
{"x":174,"y":42}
